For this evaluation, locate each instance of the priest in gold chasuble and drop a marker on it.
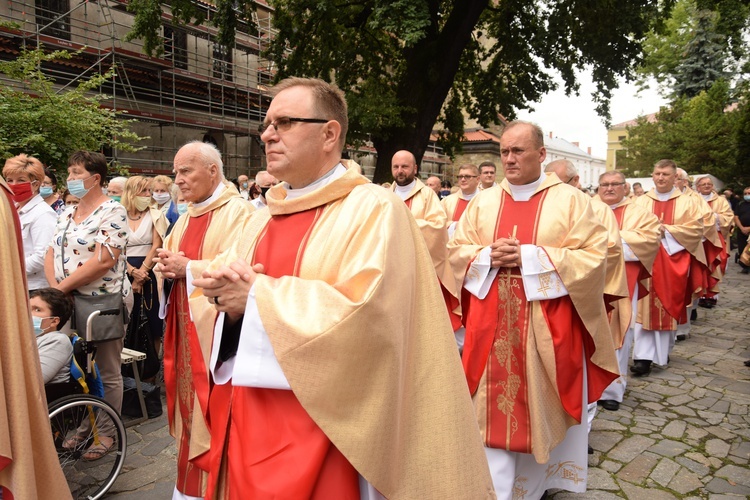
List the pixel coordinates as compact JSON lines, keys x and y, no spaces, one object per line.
{"x":639,"y":231}
{"x":670,"y":287}
{"x":215,"y":216}
{"x":335,"y":370}
{"x":29,"y":467}
{"x":531,"y":259}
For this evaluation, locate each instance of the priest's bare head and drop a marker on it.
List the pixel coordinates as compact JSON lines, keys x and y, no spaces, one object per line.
{"x":522,"y":152}
{"x":664,"y":175}
{"x":403,"y":167}
{"x":433,"y":182}
{"x":612,"y":187}
{"x":304,"y":130}
{"x":566,"y":171}
{"x":198,"y":170}
{"x":704,"y":185}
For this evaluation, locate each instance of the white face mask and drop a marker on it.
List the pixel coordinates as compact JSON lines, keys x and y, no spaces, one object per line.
{"x":161,"y":198}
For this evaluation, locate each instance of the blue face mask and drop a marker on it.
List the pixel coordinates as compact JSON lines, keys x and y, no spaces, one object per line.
{"x":37,"y":322}
{"x":46,"y":191}
{"x":76,"y":187}
{"x":181,"y":208}
{"x":747,"y":197}
{"x":116,"y":198}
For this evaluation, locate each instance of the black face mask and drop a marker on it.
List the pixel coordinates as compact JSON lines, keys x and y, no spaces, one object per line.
{"x":264,"y":190}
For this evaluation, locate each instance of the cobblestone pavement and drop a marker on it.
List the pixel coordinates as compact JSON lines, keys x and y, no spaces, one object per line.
{"x":682,"y":433}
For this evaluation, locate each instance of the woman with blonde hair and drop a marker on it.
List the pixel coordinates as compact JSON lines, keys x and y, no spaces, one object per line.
{"x":148,"y":226}
{"x":162,"y":188}
{"x":24,"y":174}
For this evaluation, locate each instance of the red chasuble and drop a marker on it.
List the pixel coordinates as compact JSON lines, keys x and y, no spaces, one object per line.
{"x":275,"y":450}
{"x":460,"y":207}
{"x":183,"y":362}
{"x":719,"y":257}
{"x":669,"y":278}
{"x":634,"y":271}
{"x":496,"y":341}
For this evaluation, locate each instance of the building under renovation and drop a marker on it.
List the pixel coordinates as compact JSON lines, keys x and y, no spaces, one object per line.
{"x":197,"y":89}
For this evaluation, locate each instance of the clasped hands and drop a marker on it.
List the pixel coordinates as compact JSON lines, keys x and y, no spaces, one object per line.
{"x":228,"y":286}
{"x":505,"y":252}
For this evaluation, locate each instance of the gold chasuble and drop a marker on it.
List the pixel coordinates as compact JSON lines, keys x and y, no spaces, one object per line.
{"x":432,"y":222}
{"x":29,"y":468}
{"x":366,"y":346}
{"x":454,"y":205}
{"x":669,"y":287}
{"x":202,"y":234}
{"x":523,"y":360}
{"x":616,"y":283}
{"x":639,"y":228}
{"x":724,"y":216}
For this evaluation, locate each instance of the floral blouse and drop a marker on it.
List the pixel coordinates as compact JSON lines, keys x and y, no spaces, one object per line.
{"x":108,"y":226}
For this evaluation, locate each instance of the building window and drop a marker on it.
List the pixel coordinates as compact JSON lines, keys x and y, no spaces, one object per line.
{"x":621,"y":138}
{"x":175,"y":47}
{"x":222,"y":62}
{"x":53,"y":18}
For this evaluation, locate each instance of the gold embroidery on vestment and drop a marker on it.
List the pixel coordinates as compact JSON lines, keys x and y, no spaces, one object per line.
{"x":567,"y":470}
{"x":508,"y":337}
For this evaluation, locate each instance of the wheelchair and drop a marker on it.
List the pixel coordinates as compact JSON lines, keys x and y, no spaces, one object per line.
{"x":80,"y":419}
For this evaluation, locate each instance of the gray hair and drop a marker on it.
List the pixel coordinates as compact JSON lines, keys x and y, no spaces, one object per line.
{"x":119,"y":181}
{"x":209,"y":154}
{"x":570,"y":169}
{"x":612,"y":173}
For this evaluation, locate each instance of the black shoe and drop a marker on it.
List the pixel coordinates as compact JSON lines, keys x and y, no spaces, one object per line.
{"x":745,"y":270}
{"x":694,"y":315}
{"x":747,"y":363}
{"x":609,"y":404}
{"x":544,"y":496}
{"x":681,"y":336}
{"x":702,"y":302}
{"x":591,"y":450}
{"x":641,"y":367}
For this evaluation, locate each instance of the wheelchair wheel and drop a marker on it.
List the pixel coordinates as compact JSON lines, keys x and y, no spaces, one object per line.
{"x":78,"y":423}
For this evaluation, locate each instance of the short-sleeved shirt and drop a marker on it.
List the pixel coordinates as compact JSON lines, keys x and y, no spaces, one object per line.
{"x":108,"y":226}
{"x":743,"y":212}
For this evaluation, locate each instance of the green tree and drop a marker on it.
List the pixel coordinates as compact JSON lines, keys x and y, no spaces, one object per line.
{"x":667,"y":46}
{"x":742,"y":140}
{"x":700,"y":134}
{"x":50,"y":124}
{"x":406,"y":65}
{"x":704,"y":59}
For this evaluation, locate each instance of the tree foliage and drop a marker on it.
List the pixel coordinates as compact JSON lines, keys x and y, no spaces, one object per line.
{"x":406,"y":65}
{"x":700,"y":134}
{"x":50,"y":124}
{"x":720,"y":26}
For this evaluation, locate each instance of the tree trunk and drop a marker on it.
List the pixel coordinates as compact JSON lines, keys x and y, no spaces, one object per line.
{"x":430,"y":68}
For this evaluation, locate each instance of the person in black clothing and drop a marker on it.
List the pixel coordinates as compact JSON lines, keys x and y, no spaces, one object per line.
{"x":742,"y":220}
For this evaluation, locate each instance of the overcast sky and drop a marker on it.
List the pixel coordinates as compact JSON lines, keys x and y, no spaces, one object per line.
{"x":575,"y":120}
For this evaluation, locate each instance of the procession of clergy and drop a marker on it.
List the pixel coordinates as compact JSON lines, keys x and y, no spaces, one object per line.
{"x":311,"y":346}
{"x":350,"y":341}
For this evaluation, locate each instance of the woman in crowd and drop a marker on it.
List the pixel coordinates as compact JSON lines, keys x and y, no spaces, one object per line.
{"x":69,"y":199}
{"x":25,"y":174}
{"x":48,"y":191}
{"x":148,"y":226}
{"x":162,"y":193}
{"x":93,"y":236}
{"x":115,"y":187}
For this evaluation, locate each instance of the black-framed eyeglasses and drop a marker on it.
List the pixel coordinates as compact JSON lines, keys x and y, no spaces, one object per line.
{"x":284,"y":123}
{"x":460,"y":177}
{"x":611,"y":184}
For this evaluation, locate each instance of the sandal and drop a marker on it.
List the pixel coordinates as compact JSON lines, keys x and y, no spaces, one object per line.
{"x":97,"y":451}
{"x":74,"y":442}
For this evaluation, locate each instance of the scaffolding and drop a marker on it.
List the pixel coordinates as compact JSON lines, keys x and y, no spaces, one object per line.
{"x":197,"y":89}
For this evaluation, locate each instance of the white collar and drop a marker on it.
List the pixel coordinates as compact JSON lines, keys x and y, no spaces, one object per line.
{"x":330,"y":176}
{"x":34,"y":201}
{"x":665,"y":196}
{"x":219,"y":189}
{"x":467,"y":197}
{"x":402,"y":191}
{"x":524,"y":192}
{"x":707,"y":197}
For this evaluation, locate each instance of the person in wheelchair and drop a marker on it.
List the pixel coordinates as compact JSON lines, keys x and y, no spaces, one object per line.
{"x":50,"y":310}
